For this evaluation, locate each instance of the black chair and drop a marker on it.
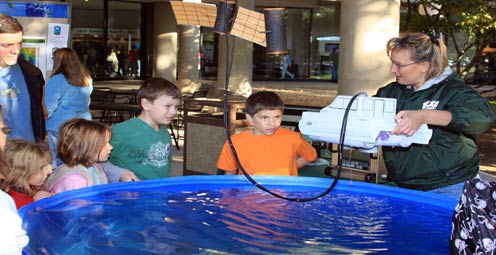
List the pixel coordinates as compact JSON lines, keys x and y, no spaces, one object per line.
{"x":174,"y":136}
{"x":98,"y":97}
{"x":178,"y":121}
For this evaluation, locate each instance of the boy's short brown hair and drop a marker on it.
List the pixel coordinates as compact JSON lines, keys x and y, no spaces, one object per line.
{"x":154,"y":87}
{"x":263,"y":100}
{"x":80,"y":140}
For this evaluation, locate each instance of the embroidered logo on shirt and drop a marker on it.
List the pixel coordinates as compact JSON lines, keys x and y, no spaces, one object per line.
{"x":158,"y":155}
{"x":10,"y":92}
{"x":430,"y":105}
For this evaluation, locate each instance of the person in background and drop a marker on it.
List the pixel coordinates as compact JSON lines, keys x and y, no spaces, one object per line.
{"x":112,"y":63}
{"x":21,"y":85}
{"x":334,"y":59}
{"x":429,"y":92}
{"x":143,"y":144}
{"x":132,"y":58}
{"x":267,"y":148}
{"x":12,"y":237}
{"x":91,"y":59}
{"x":286,"y":62}
{"x":122,"y":58}
{"x":67,"y":95}
{"x":28,"y":168}
{"x":81,"y":145}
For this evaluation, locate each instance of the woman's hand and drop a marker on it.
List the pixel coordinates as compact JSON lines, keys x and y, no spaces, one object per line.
{"x":408,"y":122}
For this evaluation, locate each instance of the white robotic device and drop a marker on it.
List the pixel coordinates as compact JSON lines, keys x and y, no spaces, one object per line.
{"x":369,"y":124}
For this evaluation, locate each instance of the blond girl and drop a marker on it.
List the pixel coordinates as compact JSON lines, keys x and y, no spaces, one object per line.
{"x":29,"y":165}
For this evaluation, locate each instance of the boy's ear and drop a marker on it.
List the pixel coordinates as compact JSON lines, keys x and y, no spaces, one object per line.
{"x":249,"y":118}
{"x":145,"y":104}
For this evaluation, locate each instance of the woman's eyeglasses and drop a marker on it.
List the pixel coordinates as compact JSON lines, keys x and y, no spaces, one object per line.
{"x":399,"y":66}
{"x":6,"y":130}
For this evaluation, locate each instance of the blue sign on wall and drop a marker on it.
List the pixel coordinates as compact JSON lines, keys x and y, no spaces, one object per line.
{"x":30,"y":9}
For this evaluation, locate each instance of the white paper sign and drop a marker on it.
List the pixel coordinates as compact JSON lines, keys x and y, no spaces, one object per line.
{"x":58,"y":37}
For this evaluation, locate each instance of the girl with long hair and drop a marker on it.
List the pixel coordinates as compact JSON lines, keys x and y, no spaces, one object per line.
{"x":67,"y":94}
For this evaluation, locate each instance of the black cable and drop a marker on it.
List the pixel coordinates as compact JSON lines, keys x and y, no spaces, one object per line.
{"x":229,"y":61}
{"x":343,"y":128}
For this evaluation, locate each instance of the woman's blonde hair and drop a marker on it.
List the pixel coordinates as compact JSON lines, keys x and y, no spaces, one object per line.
{"x":423,"y":48}
{"x":66,"y":61}
{"x":22,"y":160}
{"x":80,"y":140}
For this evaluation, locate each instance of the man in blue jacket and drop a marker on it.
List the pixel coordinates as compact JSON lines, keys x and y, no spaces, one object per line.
{"x":21,"y":85}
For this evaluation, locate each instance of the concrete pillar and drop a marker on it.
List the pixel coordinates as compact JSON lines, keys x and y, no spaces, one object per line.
{"x":365,"y":28}
{"x":241,"y":71}
{"x":187,"y":72}
{"x":165,"y":34}
{"x":294,"y":36}
{"x":188,"y":79}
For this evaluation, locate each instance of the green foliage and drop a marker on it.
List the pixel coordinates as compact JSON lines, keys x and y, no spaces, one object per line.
{"x":468,"y":25}
{"x":493,"y":105}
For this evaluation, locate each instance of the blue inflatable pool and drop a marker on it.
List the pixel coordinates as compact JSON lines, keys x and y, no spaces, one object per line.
{"x":227,"y":215}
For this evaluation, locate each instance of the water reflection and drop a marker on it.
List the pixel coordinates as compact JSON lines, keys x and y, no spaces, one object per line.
{"x":237,"y":221}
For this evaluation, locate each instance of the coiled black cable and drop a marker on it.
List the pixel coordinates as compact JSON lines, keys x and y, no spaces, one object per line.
{"x":229,"y":61}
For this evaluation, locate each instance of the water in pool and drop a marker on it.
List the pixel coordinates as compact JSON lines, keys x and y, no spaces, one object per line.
{"x":235,"y":220}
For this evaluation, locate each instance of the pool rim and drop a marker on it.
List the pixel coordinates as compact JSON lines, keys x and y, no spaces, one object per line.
{"x":226,"y":181}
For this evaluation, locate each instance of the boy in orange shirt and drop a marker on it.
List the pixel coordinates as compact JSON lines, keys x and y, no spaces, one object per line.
{"x":266,"y":149}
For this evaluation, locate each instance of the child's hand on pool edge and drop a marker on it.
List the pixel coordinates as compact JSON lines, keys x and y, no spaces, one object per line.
{"x":42,"y":194}
{"x":128,"y":176}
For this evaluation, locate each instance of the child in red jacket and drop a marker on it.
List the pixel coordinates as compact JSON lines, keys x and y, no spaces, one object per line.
{"x":29,"y":165}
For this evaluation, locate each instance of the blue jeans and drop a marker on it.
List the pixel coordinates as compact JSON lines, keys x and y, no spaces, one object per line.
{"x":334,"y":72}
{"x":453,"y":191}
{"x":52,"y":144}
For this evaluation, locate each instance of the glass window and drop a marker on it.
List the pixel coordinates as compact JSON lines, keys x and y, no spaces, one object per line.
{"x":312,"y":35}
{"x":119,"y":58}
{"x":325,"y":42}
{"x":270,"y":67}
{"x":86,"y":24}
{"x":208,"y":54}
{"x":123,"y":40}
